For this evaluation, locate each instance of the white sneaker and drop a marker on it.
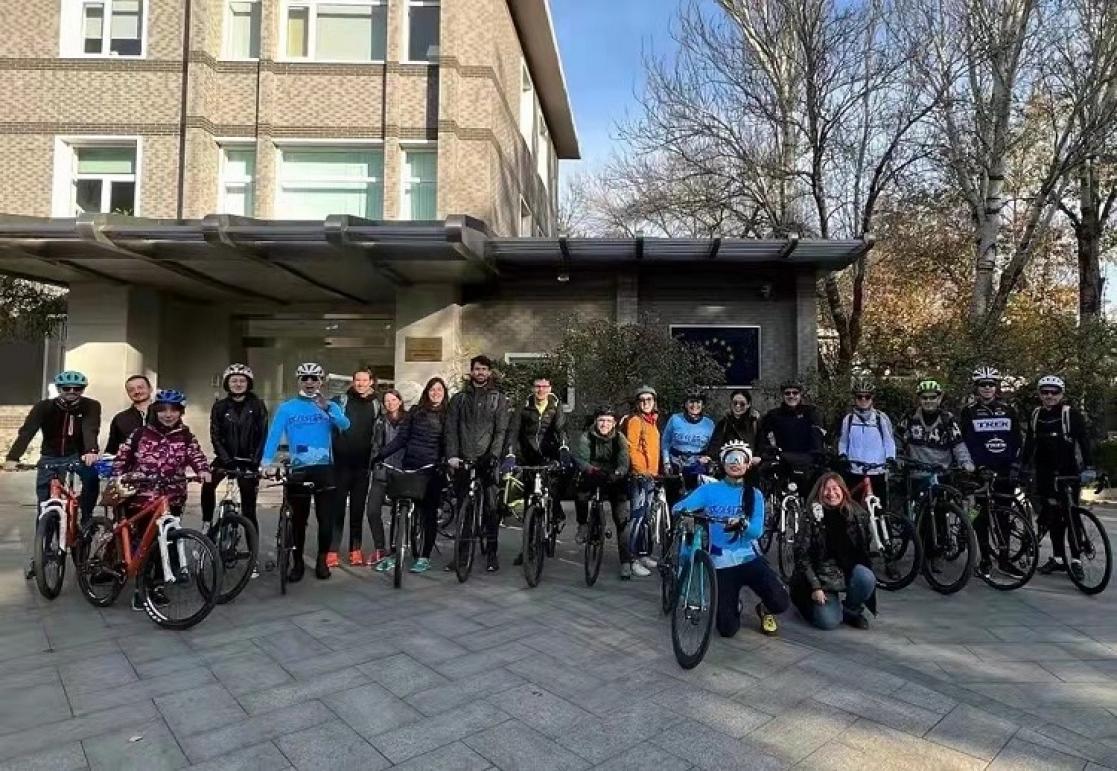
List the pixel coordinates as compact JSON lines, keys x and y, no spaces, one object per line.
{"x":649,"y":562}
{"x":640,"y":570}
{"x":255,"y":574}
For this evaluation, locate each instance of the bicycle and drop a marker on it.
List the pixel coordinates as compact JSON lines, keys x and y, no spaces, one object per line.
{"x":56,"y":530}
{"x":234,"y":535}
{"x":782,"y":512}
{"x":285,"y":526}
{"x":941,"y":523}
{"x":893,"y":540}
{"x":1011,"y":537}
{"x":1084,"y":547}
{"x":470,"y":522}
{"x":405,"y":487}
{"x":165,"y":558}
{"x":653,"y":530}
{"x":596,"y":535}
{"x":540,"y":528}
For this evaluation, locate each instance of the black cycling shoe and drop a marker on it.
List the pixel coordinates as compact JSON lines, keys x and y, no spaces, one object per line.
{"x":321,"y":570}
{"x":856,"y":620}
{"x":295,"y":574}
{"x":519,"y":559}
{"x":1076,"y":570}
{"x":159,"y":597}
{"x":1051,"y":566}
{"x":984,"y":568}
{"x":492,"y":564}
{"x":1005,"y":566}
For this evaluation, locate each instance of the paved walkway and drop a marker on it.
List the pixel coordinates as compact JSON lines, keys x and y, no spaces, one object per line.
{"x":350,"y":673}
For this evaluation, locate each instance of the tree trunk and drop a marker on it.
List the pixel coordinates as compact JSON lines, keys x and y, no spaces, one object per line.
{"x":989,"y":229}
{"x":1088,"y":234}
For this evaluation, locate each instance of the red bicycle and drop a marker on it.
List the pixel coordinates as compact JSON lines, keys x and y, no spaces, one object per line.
{"x":895,"y":548}
{"x":56,"y":531}
{"x":177,"y":570}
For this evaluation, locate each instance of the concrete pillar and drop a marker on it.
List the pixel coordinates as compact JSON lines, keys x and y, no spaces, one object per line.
{"x":806,"y":322}
{"x":431,"y":315}
{"x":628,"y":297}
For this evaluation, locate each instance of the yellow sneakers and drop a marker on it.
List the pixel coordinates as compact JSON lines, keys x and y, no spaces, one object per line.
{"x":768,"y":623}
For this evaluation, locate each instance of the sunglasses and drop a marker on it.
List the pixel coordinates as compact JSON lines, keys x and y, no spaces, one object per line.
{"x":310,"y":379}
{"x":740,"y":403}
{"x":860,"y":397}
{"x":1049,"y":392}
{"x":931,"y":398}
{"x":72,"y":389}
{"x":987,"y":384}
{"x":791,"y":393}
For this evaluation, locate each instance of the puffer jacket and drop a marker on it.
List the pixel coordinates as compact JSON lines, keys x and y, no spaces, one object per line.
{"x":732,"y":428}
{"x":817,"y":566}
{"x":238,"y":429}
{"x":421,"y":437}
{"x":794,"y":431}
{"x":383,"y":432}
{"x":161,"y":452}
{"x":607,"y":455}
{"x":476,"y":423}
{"x":535,"y":438}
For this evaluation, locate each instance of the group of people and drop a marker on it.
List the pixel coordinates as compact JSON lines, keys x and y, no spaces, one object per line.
{"x":339,"y":452}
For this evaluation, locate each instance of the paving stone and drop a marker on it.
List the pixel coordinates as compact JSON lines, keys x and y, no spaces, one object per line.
{"x":451,"y":757}
{"x":119,"y":750}
{"x":236,"y":633}
{"x":512,"y":745}
{"x":620,"y":693}
{"x":882,"y":709}
{"x":28,"y":706}
{"x":441,"y":698}
{"x":332,"y":744}
{"x":85,"y":701}
{"x":472,"y":663}
{"x":539,"y":709}
{"x":260,"y":757}
{"x":199,"y":709}
{"x":204,"y":658}
{"x":301,"y":690}
{"x":1037,"y":634}
{"x":1020,"y":755}
{"x":251,"y":672}
{"x":1022,"y":652}
{"x":402,"y":675}
{"x":112,"y":670}
{"x":315,"y":666}
{"x":801,"y":730}
{"x":974,"y":732}
{"x":68,"y":757}
{"x":599,"y":738}
{"x":705,"y":748}
{"x":371,"y":710}
{"x":554,"y":675}
{"x":928,"y":698}
{"x":430,"y":734}
{"x":879,"y":741}
{"x":835,"y":756}
{"x":430,"y":649}
{"x":324,"y":623}
{"x":1077,"y":672}
{"x":31,"y":740}
{"x":140,"y":649}
{"x":642,"y":758}
{"x":997,"y":672}
{"x":292,"y":644}
{"x":728,"y":716}
{"x":267,"y":727}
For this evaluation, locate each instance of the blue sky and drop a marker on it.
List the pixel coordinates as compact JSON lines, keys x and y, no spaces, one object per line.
{"x":602,"y":43}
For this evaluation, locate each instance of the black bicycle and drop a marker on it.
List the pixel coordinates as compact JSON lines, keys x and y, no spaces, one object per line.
{"x":405,"y":488}
{"x":596,"y":535}
{"x":540,"y":528}
{"x":234,"y":536}
{"x":469,"y":533}
{"x":783,"y":509}
{"x":1013,"y":546}
{"x":1085,"y":542}
{"x":949,"y":544}
{"x":285,"y":526}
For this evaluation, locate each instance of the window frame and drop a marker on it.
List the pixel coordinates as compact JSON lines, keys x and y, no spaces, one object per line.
{"x":405,"y":50}
{"x":226,"y":28}
{"x":527,"y":102}
{"x":312,"y":30}
{"x":356,"y":145}
{"x":65,"y":177}
{"x":430,"y":147}
{"x":530,"y":220}
{"x":71,"y":38}
{"x":223,"y":181}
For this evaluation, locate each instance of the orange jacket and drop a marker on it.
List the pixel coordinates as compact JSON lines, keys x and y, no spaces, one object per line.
{"x":643,"y":444}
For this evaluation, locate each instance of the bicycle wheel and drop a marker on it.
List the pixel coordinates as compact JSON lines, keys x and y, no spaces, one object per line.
{"x":661,"y":514}
{"x":785,"y":541}
{"x":770,"y":523}
{"x":465,"y":539}
{"x":237,"y":543}
{"x":1095,"y":552}
{"x":402,"y":518}
{"x":669,"y":578}
{"x":284,"y":538}
{"x":693,"y":618}
{"x":534,"y":549}
{"x":182,"y":603}
{"x":50,"y":560}
{"x":447,"y":515}
{"x":101,"y":576}
{"x":595,"y":544}
{"x":950,"y":555}
{"x":1014,"y":541}
{"x":899,"y":561}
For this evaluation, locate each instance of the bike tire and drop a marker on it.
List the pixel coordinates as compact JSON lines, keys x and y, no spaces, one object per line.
{"x":902,"y":543}
{"x":595,"y":544}
{"x":1022,"y":543}
{"x":283,"y":538}
{"x":669,"y":579}
{"x":465,"y":540}
{"x":237,"y":545}
{"x":403,"y":535}
{"x":447,"y":517}
{"x":697,"y":610}
{"x":49,"y":559}
{"x":765,"y":540}
{"x":965,"y":539}
{"x":1090,"y":545}
{"x":534,"y":551}
{"x":662,"y":514}
{"x":785,"y":541}
{"x":100,"y":558}
{"x":205,"y":579}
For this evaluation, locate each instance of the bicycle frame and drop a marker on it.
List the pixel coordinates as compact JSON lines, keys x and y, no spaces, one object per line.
{"x":64,"y":502}
{"x":871,"y":502}
{"x":160,"y":522}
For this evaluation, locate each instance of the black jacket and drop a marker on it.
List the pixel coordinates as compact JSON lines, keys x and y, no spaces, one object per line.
{"x":796,"y":431}
{"x":819,"y":566}
{"x":238,"y":429}
{"x":535,"y":438}
{"x":476,"y":423}
{"x":731,"y":428}
{"x":1056,"y":441}
{"x":420,"y":437}
{"x":124,"y":423}
{"x":353,"y":446}
{"x":383,"y":432}
{"x":67,"y":430}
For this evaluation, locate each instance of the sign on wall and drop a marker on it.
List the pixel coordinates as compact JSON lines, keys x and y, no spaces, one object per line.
{"x":422,"y":349}
{"x":735,"y":348}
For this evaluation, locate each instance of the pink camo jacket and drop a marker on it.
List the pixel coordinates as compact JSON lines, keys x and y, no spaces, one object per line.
{"x":161,"y":452}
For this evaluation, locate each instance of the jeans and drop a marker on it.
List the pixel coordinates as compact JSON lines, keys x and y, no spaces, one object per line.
{"x":612,"y":491}
{"x":640,"y":491}
{"x":377,"y":493}
{"x":300,"y":497}
{"x":248,"y":490}
{"x":860,"y":585}
{"x":352,"y":487}
{"x":757,"y":575}
{"x":90,"y":485}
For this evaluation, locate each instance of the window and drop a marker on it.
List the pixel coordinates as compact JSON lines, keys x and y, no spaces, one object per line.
{"x":104,"y":180}
{"x":422,"y":30}
{"x":420,"y":184}
{"x":242,"y":29}
{"x":543,"y":151}
{"x":342,"y":30}
{"x":103,"y":27}
{"x":317,"y":182}
{"x":526,"y":220}
{"x":527,"y":107}
{"x":238,"y":174}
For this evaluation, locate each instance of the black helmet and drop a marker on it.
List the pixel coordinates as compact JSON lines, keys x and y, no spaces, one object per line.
{"x":792,"y":382}
{"x":696,"y":395}
{"x":604,"y":411}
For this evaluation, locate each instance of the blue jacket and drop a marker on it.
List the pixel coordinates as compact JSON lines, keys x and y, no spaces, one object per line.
{"x":309,"y":432}
{"x":683,"y":441}
{"x":866,"y":437}
{"x":723,"y":499}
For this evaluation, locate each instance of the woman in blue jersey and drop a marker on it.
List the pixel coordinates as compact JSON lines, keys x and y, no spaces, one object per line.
{"x":684,"y":442}
{"x":307,"y":421}
{"x":736,"y":556}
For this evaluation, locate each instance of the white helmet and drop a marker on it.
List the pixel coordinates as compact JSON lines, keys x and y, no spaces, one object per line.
{"x":985,"y":374}
{"x":1052,"y":381}
{"x":735,"y":445}
{"x":310,"y":369}
{"x":237,"y":369}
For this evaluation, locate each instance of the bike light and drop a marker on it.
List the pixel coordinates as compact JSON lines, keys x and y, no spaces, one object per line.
{"x":792,"y":487}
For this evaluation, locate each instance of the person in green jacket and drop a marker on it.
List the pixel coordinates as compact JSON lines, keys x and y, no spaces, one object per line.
{"x":601,"y":455}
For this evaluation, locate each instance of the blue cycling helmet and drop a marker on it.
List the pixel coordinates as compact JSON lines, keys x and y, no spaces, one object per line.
{"x":169,"y":396}
{"x":71,"y":378}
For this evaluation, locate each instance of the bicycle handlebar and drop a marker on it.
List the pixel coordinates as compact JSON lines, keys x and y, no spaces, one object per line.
{"x":398,"y":470}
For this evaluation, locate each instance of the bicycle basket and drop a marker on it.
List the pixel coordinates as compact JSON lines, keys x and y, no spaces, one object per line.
{"x":412,"y":486}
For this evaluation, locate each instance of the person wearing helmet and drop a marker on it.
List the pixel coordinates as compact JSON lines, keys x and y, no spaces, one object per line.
{"x":164,"y":449}
{"x":737,"y":560}
{"x":601,"y":457}
{"x":139,"y":391}
{"x":642,"y":431}
{"x":353,"y":465}
{"x":238,"y":426}
{"x":865,"y":438}
{"x":1056,"y":443}
{"x":993,"y":437}
{"x":685,"y":438}
{"x":307,"y":422}
{"x":793,"y":428}
{"x":69,"y":424}
{"x":930,"y":435}
{"x":740,"y":424}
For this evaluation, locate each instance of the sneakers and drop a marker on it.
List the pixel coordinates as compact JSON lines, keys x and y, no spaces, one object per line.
{"x":421,"y":565}
{"x":332,"y":560}
{"x":376,"y":556}
{"x":639,"y":570}
{"x":255,"y":574}
{"x":386,"y":565}
{"x":295,"y":574}
{"x":626,"y":571}
{"x":650,"y":562}
{"x":984,"y":568}
{"x":158,"y":596}
{"x":492,"y":564}
{"x":1076,"y":570}
{"x":322,"y":567}
{"x":1052,"y":566}
{"x":582,"y":534}
{"x":356,"y":558}
{"x":519,"y":559}
{"x":137,"y":603}
{"x":768,"y":623}
{"x":857,"y":620}
{"x":450,"y":566}
{"x":1005,"y":566}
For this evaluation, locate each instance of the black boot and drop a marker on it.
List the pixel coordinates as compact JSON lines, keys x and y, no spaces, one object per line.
{"x":321,"y":571}
{"x":295,"y":574}
{"x":492,"y":564}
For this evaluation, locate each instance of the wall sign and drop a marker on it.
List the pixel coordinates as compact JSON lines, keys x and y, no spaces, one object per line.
{"x":736,"y":349}
{"x":422,"y":349}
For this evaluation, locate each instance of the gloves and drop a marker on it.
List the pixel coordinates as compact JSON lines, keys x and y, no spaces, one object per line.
{"x":565,"y":459}
{"x":454,"y":463}
{"x":969,"y":468}
{"x":508,"y":465}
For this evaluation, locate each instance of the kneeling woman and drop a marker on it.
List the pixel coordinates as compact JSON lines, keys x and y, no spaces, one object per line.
{"x":832,"y":557}
{"x":734,"y":550}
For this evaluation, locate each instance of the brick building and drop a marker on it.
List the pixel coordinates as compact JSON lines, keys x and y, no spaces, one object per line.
{"x":348,"y":181}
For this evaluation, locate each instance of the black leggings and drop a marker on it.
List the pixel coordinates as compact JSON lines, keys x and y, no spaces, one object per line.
{"x":323,"y":494}
{"x":352,"y":487}
{"x":615,"y":493}
{"x":757,"y":575}
{"x":1051,"y":512}
{"x":248,"y":490}
{"x":377,"y":493}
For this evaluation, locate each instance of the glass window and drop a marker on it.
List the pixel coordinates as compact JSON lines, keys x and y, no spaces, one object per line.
{"x":423,"y":30}
{"x":125,"y":35}
{"x":527,"y":107}
{"x":238,"y":174}
{"x":337,"y":31}
{"x":102,"y":27}
{"x":242,"y":30}
{"x":104,"y":180}
{"x":526,"y":224}
{"x":298,"y":31}
{"x":93,"y":28}
{"x":543,"y":151}
{"x":318,"y":182}
{"x":420,"y":184}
